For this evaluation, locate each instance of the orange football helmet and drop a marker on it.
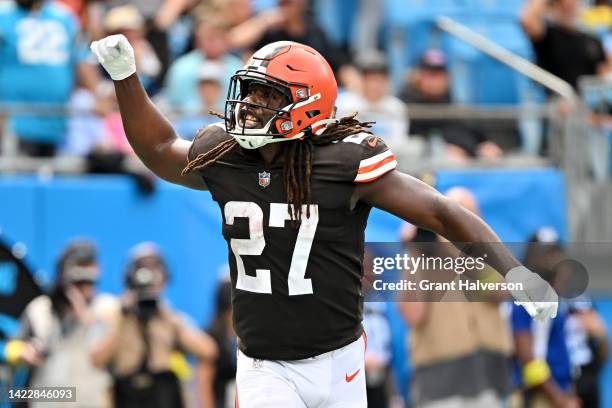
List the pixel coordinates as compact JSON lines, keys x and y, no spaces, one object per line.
{"x":302,"y":75}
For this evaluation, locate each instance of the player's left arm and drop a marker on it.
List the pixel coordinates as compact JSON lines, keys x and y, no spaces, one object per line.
{"x":420,"y":204}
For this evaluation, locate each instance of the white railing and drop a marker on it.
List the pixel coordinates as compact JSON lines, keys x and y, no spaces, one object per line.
{"x":516,"y":62}
{"x":416,"y":153}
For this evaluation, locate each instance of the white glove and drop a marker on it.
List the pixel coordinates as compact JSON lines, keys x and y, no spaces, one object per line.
{"x":116,"y":56}
{"x":537,"y":297}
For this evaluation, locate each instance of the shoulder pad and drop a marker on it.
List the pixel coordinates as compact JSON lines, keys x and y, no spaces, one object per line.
{"x":376,"y":157}
{"x":207,"y":138}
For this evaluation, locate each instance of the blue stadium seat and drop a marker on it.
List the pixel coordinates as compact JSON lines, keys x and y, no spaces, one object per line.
{"x":501,"y":8}
{"x":503,"y":31}
{"x":476,"y":77}
{"x":401,"y":12}
{"x":494,"y":83}
{"x":420,"y":36}
{"x":337,"y":18}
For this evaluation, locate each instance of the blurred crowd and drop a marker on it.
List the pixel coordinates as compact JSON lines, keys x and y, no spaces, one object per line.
{"x":56,"y":100}
{"x":132,"y":350}
{"x":135,"y":349}
{"x":467,"y":351}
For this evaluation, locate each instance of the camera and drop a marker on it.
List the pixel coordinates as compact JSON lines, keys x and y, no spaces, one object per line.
{"x":146,"y":285}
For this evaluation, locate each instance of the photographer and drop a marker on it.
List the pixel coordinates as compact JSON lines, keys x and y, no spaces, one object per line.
{"x":138,"y":349}
{"x":57,"y":329}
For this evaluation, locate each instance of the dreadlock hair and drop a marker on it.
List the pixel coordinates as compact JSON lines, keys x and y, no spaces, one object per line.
{"x":298,"y":158}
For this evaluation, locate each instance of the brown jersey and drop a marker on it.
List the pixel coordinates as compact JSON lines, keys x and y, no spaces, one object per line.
{"x":296,"y":289}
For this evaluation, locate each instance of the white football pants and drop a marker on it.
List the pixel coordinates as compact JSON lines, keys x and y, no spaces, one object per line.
{"x":331,"y":380}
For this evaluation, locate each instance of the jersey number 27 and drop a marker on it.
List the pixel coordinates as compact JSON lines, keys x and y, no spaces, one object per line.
{"x":260,"y":283}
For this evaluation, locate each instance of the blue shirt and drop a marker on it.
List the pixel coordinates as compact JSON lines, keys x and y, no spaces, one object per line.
{"x":182,"y":80}
{"x":38,"y":54}
{"x":188,"y":125}
{"x":549,"y":340}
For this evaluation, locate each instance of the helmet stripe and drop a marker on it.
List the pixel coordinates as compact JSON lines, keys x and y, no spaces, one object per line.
{"x":266,"y":53}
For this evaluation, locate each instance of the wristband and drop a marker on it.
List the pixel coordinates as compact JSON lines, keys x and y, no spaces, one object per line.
{"x":179,"y":366}
{"x":13,"y":351}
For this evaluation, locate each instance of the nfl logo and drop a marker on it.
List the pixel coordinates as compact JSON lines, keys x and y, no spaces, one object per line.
{"x":264,"y":179}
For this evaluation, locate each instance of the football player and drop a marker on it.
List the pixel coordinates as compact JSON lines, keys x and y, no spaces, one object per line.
{"x":295,"y":187}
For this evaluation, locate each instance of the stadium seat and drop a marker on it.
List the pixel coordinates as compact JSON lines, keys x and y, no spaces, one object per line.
{"x":500,"y":8}
{"x":473,"y":72}
{"x":337,"y":18}
{"x":407,"y":11}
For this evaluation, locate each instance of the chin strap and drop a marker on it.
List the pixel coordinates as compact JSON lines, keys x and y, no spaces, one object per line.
{"x":255,"y":142}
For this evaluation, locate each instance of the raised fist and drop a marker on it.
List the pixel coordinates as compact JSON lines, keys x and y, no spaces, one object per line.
{"x":116,"y":56}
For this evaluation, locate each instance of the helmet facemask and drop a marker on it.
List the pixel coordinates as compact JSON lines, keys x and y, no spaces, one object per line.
{"x":274,"y":123}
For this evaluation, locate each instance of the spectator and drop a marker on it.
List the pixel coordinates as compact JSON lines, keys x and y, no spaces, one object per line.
{"x":587,"y":341}
{"x":379,"y":380}
{"x":80,"y":9}
{"x":544,"y":370}
{"x":140,"y":348}
{"x":234,"y":11}
{"x":159,"y":16}
{"x":40,"y":56}
{"x":57,"y":329}
{"x":209,"y":89}
{"x":95,"y":125}
{"x":293,"y":21}
{"x":460,"y":350}
{"x":182,"y":80}
{"x":598,"y":19}
{"x":564,"y":49}
{"x":560,"y":46}
{"x":86,"y":130}
{"x":378,"y":353}
{"x":217,"y":378}
{"x":127,"y":20}
{"x":375,"y":102}
{"x":430,"y":84}
{"x":95,"y":131}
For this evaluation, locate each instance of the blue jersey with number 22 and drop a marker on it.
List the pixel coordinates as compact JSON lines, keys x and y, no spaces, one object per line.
{"x":38,"y":54}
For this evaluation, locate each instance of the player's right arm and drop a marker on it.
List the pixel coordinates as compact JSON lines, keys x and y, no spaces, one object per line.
{"x":380,"y":185}
{"x":150,"y":134}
